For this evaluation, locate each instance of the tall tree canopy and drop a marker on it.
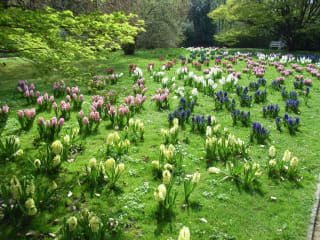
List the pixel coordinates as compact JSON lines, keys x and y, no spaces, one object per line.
{"x":53,"y":39}
{"x":200,"y":28}
{"x":163,"y":19}
{"x":294,"y":21}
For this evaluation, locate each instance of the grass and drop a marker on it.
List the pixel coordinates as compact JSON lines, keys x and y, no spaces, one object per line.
{"x":230,"y":213}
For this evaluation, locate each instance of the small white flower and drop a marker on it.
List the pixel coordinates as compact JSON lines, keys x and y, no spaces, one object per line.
{"x":214,"y":170}
{"x":184,"y":234}
{"x":194,"y":92}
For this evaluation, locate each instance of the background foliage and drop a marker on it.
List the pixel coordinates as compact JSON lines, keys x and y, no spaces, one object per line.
{"x":255,"y":23}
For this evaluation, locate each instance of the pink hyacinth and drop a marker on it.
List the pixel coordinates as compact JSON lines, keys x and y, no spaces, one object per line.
{"x":41,"y":121}
{"x":56,"y":85}
{"x":51,"y":99}
{"x":5,"y":108}
{"x":30,"y":113}
{"x":245,"y":70}
{"x":81,"y":98}
{"x":26,"y":93}
{"x":314,"y":72}
{"x":280,"y":79}
{"x":299,"y":77}
{"x":123,"y":110}
{"x":156,"y":98}
{"x":129,"y":100}
{"x":163,"y":97}
{"x":45,"y":96}
{"x":38,"y":94}
{"x":100,"y":102}
{"x":112,"y":111}
{"x":54,"y":121}
{"x":85,"y":121}
{"x":61,"y":122}
{"x":97,"y":98}
{"x":140,"y":99}
{"x":286,"y":72}
{"x":140,"y":81}
{"x":68,"y":98}
{"x":74,"y":96}
{"x":40,"y":100}
{"x":67,"y":106}
{"x":20,"y":113}
{"x":63,"y":105}
{"x":75,"y":90}
{"x":81,"y":114}
{"x":307,"y":82}
{"x":54,"y":106}
{"x":32,"y":86}
{"x":95,"y":116}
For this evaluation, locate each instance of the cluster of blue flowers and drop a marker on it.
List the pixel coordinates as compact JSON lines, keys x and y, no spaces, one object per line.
{"x":292,"y":105}
{"x":240,"y":90}
{"x":256,"y":85}
{"x":271,"y":111}
{"x":241,"y":116}
{"x":298,"y":84}
{"x":259,"y":133}
{"x":187,"y":104}
{"x":222,"y":101}
{"x":276,"y":85}
{"x":262,"y":81}
{"x":260,"y":96}
{"x":292,"y":123}
{"x":200,"y":123}
{"x":245,"y":99}
{"x":181,"y":114}
{"x":288,"y":95}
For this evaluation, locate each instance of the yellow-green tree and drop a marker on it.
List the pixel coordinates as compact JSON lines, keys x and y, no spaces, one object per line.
{"x":56,"y":39}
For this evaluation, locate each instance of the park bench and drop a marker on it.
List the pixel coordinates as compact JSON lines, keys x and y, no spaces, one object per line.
{"x":277,"y":44}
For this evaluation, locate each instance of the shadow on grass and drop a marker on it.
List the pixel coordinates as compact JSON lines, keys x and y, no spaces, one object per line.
{"x":194,"y":206}
{"x":162,"y":224}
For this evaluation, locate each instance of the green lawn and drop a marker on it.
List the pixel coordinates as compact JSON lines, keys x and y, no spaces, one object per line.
{"x":230,"y":213}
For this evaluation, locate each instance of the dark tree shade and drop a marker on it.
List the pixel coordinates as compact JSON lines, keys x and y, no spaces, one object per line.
{"x":200,"y":29}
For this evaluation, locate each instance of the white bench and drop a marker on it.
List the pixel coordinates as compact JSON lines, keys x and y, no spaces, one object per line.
{"x":277,"y":44}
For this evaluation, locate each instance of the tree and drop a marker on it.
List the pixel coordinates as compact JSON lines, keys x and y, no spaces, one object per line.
{"x":294,"y":21}
{"x":163,"y":22}
{"x":199,"y":29}
{"x":56,"y":39}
